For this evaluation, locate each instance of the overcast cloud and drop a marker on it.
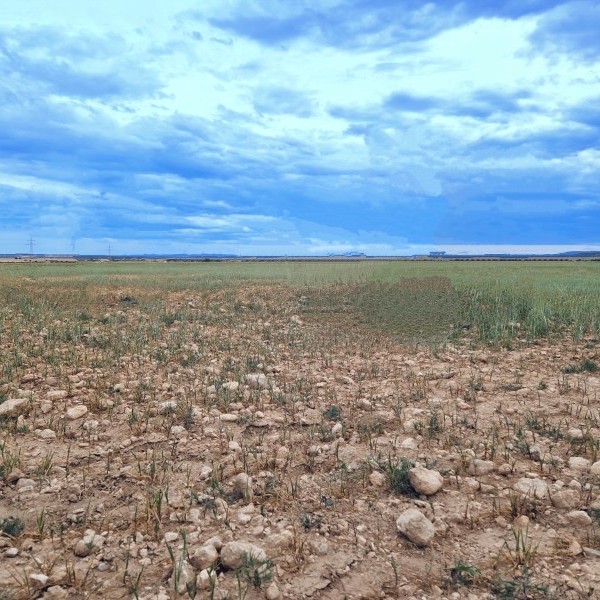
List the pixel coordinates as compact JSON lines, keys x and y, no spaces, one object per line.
{"x":272,"y":127}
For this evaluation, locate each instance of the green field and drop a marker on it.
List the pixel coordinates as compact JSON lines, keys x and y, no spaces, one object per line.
{"x":496,"y":301}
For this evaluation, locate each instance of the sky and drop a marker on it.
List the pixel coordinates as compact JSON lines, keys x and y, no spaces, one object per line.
{"x":270,"y":127}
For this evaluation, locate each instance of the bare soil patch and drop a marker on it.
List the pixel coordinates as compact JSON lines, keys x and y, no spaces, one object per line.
{"x":232,"y":443}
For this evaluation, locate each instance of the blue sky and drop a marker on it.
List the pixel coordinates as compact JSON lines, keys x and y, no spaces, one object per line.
{"x":308,"y":127}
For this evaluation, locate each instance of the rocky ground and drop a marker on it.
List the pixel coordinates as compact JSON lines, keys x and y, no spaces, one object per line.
{"x":237,"y":444}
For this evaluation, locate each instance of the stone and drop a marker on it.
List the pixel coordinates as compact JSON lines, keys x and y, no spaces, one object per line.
{"x":45,"y":434}
{"x":415,"y":526}
{"x":377,"y":478}
{"x":38,"y":580}
{"x":280,"y":541}
{"x":228,"y":418}
{"x":245,"y":514}
{"x":337,"y":429}
{"x":205,"y":472}
{"x":272,"y":592}
{"x":232,"y":386}
{"x":532,"y":487}
{"x":204,"y":557}
{"x":215,"y":541}
{"x":257,"y":381}
{"x":76,"y":412}
{"x":595,"y":469}
{"x":579,"y":464}
{"x":521,"y":522}
{"x":566,"y":498}
{"x":409,"y":444}
{"x":480,"y":467}
{"x":86,"y":545}
{"x":425,"y":481}
{"x":242,"y":486}
{"x":575,"y":548}
{"x":168,"y":407}
{"x":310,"y":417}
{"x":57,"y":395}
{"x":25,"y":482}
{"x":234,"y":554}
{"x":182,"y":578}
{"x":282,"y":456}
{"x":579,"y":518}
{"x":13,"y":407}
{"x":55,"y":592}
{"x":575,"y":434}
{"x":207,"y":579}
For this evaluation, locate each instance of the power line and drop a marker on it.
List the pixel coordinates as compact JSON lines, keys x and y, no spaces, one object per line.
{"x":30,"y":243}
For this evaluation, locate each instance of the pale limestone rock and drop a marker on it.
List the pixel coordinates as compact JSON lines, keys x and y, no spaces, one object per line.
{"x":205,"y":472}
{"x":377,"y":478}
{"x":207,"y":579}
{"x":242,"y":485}
{"x":425,"y":481}
{"x":228,"y":418}
{"x":76,"y":412}
{"x":183,"y":577}
{"x":257,"y":381}
{"x":409,"y":444}
{"x":24,"y":482}
{"x":234,"y":554}
{"x":480,"y":467}
{"x":13,"y":407}
{"x":272,"y":592}
{"x":89,"y":543}
{"x":534,"y":488}
{"x":415,"y":526}
{"x":55,"y":592}
{"x":579,"y":518}
{"x":311,"y":417}
{"x":45,"y":434}
{"x":521,"y":522}
{"x":279,"y":541}
{"x":579,"y":464}
{"x":575,"y":548}
{"x":168,"y":407}
{"x":38,"y":580}
{"x":204,"y":557}
{"x":566,"y":498}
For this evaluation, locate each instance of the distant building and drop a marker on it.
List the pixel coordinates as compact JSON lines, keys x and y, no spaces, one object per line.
{"x":437,"y":254}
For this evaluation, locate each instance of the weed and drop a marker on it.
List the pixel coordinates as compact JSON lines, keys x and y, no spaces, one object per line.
{"x":332,"y":413}
{"x":521,"y":587}
{"x":397,"y":474}
{"x":255,"y":572}
{"x":432,"y":428}
{"x":463,"y":574}
{"x":311,"y":521}
{"x":12,"y":527}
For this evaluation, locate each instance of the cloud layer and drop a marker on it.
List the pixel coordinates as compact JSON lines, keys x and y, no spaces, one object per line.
{"x":298,"y":128}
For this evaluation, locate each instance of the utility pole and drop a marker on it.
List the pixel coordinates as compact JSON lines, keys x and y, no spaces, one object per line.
{"x":30,"y":244}
{"x":109,"y":251}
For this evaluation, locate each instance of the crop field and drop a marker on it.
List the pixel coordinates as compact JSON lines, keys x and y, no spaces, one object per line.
{"x":300,"y":430}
